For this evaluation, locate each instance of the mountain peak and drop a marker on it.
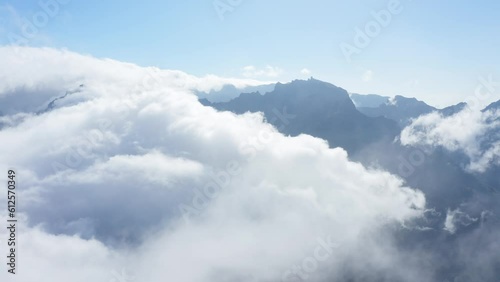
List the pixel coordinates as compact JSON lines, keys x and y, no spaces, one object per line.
{"x":407,"y":101}
{"x":318,"y":108}
{"x":401,"y":109}
{"x":451,"y":110}
{"x":310,"y":87}
{"x":493,"y":106}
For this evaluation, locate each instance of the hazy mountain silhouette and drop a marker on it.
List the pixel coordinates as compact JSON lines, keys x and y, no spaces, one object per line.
{"x":399,"y":109}
{"x":369,"y":100}
{"x":323,"y":110}
{"x":493,"y":106}
{"x":229,"y":92}
{"x":451,"y":110}
{"x":320,"y":109}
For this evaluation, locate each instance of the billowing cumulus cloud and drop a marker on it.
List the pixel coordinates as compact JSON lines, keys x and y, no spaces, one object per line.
{"x":129,"y":173}
{"x":474,"y":133}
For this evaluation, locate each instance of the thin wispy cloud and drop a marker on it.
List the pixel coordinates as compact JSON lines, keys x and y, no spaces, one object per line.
{"x":266,"y":72}
{"x":367,"y":76}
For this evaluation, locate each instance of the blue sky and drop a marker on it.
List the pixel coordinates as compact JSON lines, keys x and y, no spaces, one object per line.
{"x":432,"y":50}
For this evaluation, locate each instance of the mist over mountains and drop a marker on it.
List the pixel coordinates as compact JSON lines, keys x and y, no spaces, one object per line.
{"x":133,"y":168}
{"x":462,"y":201}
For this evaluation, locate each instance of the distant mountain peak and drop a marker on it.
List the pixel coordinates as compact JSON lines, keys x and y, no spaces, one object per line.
{"x":310,"y":87}
{"x":319,"y":109}
{"x":399,"y":108}
{"x":451,"y":110}
{"x":53,"y":103}
{"x":229,"y":92}
{"x":407,"y":101}
{"x":493,"y":106}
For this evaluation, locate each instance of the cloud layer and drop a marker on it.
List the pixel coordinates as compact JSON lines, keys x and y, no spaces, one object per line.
{"x":474,"y":133}
{"x":130,"y":172}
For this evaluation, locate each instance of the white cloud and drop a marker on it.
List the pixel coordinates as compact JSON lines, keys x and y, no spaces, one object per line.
{"x":39,"y":84}
{"x":456,"y":219}
{"x":414,"y":83}
{"x":268,"y":71}
{"x":305,"y":72}
{"x":468,"y":131}
{"x":107,"y":172}
{"x":49,"y":257}
{"x":367,"y":76}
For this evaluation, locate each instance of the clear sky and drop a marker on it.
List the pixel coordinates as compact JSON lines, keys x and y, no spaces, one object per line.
{"x":432,"y":50}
